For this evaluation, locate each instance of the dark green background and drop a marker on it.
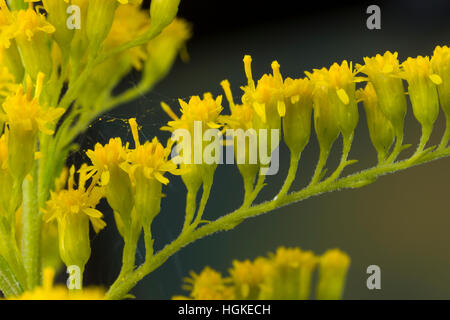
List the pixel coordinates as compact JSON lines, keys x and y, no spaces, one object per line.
{"x":400,"y":223}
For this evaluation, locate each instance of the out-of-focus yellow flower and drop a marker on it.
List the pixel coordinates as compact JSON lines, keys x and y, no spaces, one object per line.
{"x":422,"y":89}
{"x":286,"y":274}
{"x":73,"y":208}
{"x":49,"y":291}
{"x":25,"y":116}
{"x":129,"y":23}
{"x":162,"y":50}
{"x":333,"y":266}
{"x":208,"y":285}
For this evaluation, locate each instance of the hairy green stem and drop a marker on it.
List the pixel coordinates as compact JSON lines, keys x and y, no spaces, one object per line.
{"x":121,"y":287}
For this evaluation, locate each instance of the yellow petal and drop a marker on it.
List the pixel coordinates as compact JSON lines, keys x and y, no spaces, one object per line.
{"x":436,"y":79}
{"x":343,"y":96}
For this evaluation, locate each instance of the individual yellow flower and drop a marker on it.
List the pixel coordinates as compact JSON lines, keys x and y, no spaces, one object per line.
{"x":383,"y":71}
{"x":49,"y":291}
{"x":248,"y":276}
{"x":440,"y":63}
{"x":297,"y":121}
{"x":326,"y":123}
{"x":206,"y":110}
{"x":162,"y":50}
{"x":147,"y":165}
{"x":290,"y":277}
{"x":422,"y":90}
{"x":25,"y":116}
{"x":380,"y":128}
{"x":30,"y":30}
{"x":267,"y":97}
{"x":208,"y":285}
{"x":73,"y":208}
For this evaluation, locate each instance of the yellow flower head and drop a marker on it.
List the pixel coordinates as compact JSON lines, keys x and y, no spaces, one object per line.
{"x":386,"y":64}
{"x":384,"y":73}
{"x":49,"y":291}
{"x":112,"y":154}
{"x":24,"y":111}
{"x":29,"y":22}
{"x":293,"y":258}
{"x":80,"y":201}
{"x":241,"y":115}
{"x":296,"y":89}
{"x":208,"y":285}
{"x":422,"y":82}
{"x":73,"y":208}
{"x":206,"y":110}
{"x":332,"y":273}
{"x":267,"y":97}
{"x":151,"y":158}
{"x":415,"y":69}
{"x":441,"y":59}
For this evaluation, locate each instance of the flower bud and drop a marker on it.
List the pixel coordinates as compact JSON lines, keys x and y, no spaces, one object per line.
{"x":100,"y":17}
{"x":162,"y":12}
{"x":57,"y":16}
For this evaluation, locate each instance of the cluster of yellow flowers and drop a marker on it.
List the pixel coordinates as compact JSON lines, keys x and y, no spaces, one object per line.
{"x":59,"y":64}
{"x":285,"y":275}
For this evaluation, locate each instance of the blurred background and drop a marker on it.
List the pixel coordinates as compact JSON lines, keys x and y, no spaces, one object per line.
{"x":400,"y":223}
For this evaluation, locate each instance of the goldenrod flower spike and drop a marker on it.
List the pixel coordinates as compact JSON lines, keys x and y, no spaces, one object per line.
{"x":422,"y":89}
{"x":73,"y":208}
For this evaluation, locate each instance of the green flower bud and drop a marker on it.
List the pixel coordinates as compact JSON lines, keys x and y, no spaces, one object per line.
{"x":100,"y":17}
{"x":162,"y":12}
